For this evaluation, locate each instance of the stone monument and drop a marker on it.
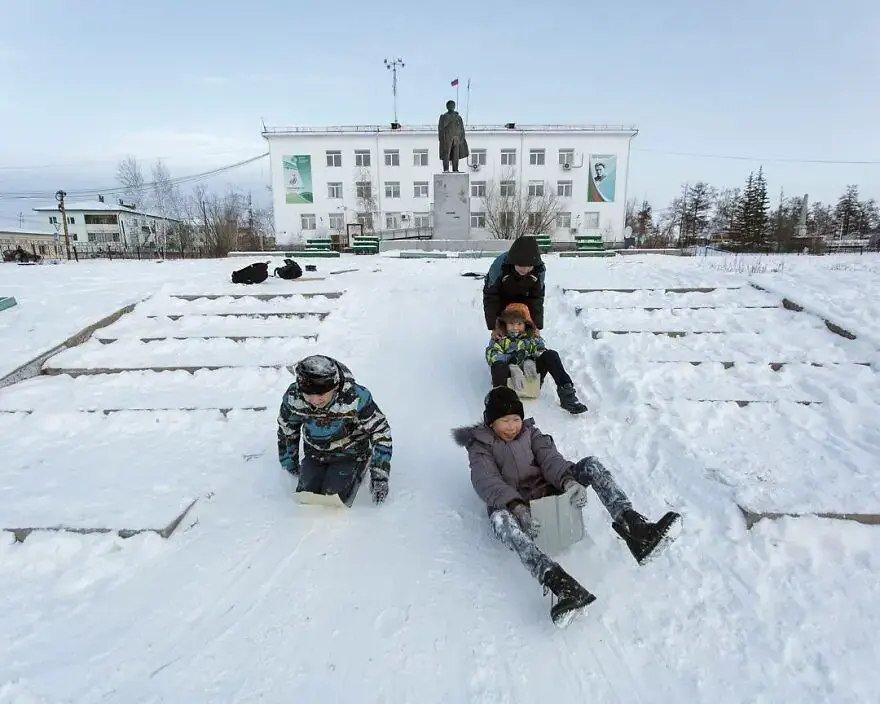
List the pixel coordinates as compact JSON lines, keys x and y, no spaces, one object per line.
{"x":452,"y":197}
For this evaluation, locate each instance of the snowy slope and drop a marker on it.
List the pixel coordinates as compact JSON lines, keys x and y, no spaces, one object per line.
{"x":260,"y":599}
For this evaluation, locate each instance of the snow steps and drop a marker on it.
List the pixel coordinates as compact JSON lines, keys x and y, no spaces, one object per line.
{"x":21,"y":534}
{"x":321,"y":315}
{"x":754,"y":517}
{"x":224,"y":411}
{"x":257,"y":296}
{"x":88,"y":371}
{"x":233,"y":338}
{"x":678,"y":289}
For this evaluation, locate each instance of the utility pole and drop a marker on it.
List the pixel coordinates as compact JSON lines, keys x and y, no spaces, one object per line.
{"x":21,"y":221}
{"x":59,"y":196}
{"x":392,"y":66}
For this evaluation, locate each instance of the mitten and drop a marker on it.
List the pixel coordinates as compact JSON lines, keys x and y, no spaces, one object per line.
{"x":290,"y":462}
{"x":530,"y":369}
{"x":530,"y":526}
{"x":517,"y":378}
{"x":579,"y":495}
{"x":379,"y":490}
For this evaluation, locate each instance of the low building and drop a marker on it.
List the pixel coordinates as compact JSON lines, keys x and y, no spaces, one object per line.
{"x":42,"y":243}
{"x":111,"y":224}
{"x":324,"y":178}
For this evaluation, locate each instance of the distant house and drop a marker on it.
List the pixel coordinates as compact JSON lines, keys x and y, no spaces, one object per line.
{"x":103,"y":223}
{"x":42,"y":243}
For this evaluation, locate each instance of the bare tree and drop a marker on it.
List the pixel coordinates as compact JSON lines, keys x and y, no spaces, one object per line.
{"x":166,"y":198}
{"x":130,"y":176}
{"x":366,"y":197}
{"x":220,"y":218}
{"x":512,"y":212}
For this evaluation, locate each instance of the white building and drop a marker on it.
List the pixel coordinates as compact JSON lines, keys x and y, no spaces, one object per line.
{"x":326,"y":177}
{"x":103,"y":223}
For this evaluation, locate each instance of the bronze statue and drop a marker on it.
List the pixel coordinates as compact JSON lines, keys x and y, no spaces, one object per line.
{"x":453,"y":143}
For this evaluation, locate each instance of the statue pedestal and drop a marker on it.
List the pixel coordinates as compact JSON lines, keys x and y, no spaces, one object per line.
{"x":452,"y":206}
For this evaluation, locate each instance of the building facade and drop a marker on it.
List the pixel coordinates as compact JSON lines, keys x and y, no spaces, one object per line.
{"x":109,"y":224}
{"x":326,"y":177}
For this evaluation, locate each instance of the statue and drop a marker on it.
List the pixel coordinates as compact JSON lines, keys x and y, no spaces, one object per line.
{"x":453,"y":143}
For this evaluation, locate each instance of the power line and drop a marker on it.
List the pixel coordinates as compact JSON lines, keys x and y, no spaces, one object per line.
{"x":43,"y":195}
{"x":868,"y":162}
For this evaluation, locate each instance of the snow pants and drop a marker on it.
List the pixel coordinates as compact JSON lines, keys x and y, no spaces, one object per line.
{"x":548,"y":362}
{"x":589,"y":472}
{"x":342,"y":476}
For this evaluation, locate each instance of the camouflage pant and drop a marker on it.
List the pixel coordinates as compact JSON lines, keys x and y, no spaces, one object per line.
{"x":589,"y":472}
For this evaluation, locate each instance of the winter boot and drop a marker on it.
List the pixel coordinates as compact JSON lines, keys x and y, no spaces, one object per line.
{"x":647,"y":540}
{"x":571,"y":598}
{"x":568,"y":399}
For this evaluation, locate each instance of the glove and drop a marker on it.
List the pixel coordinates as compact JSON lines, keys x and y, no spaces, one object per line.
{"x":379,"y":490}
{"x":530,"y":526}
{"x":290,"y":462}
{"x":579,"y":495}
{"x":517,"y":378}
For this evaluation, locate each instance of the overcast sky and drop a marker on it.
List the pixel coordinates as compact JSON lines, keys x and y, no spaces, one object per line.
{"x":775,"y":82}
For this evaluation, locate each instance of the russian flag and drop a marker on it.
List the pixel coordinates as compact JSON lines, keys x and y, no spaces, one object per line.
{"x":455,"y":83}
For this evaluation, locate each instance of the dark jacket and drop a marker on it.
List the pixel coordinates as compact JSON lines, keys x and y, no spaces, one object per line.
{"x":503,"y":285}
{"x":525,"y":469}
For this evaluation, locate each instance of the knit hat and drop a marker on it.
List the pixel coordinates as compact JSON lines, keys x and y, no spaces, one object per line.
{"x":499,"y":402}
{"x":317,"y":374}
{"x":524,"y":252}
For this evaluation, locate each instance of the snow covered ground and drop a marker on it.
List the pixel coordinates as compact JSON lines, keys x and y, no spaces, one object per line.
{"x":258,"y":598}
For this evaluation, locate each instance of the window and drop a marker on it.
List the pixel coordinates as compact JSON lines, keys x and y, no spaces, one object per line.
{"x":308,"y":221}
{"x":71,"y":220}
{"x":361,"y":157}
{"x":392,"y":221}
{"x":478,"y":221}
{"x":563,"y":220}
{"x":364,"y":189}
{"x":478,"y":189}
{"x":334,"y":158}
{"x":478,"y":156}
{"x":505,"y":220}
{"x":421,"y":219}
{"x":566,"y":156}
{"x":102,"y":237}
{"x":591,"y":221}
{"x":420,"y":157}
{"x":365,"y":219}
{"x":53,"y":219}
{"x":563,"y":189}
{"x":420,"y":189}
{"x":100,"y":219}
{"x":392,"y":157}
{"x":536,"y":157}
{"x":334,"y":190}
{"x":536,"y":189}
{"x":508,"y":189}
{"x":508,"y":157}
{"x":337,"y":221}
{"x":392,"y":189}
{"x":535,"y":221}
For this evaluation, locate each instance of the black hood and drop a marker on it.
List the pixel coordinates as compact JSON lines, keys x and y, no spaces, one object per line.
{"x":524,"y":252}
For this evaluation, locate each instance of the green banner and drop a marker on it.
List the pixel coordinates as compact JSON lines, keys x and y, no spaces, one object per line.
{"x":298,"y":179}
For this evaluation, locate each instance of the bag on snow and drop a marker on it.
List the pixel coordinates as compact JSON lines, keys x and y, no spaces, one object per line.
{"x":290,"y":270}
{"x":251,"y":274}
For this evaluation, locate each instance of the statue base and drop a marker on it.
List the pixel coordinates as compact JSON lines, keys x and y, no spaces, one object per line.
{"x":452,"y":206}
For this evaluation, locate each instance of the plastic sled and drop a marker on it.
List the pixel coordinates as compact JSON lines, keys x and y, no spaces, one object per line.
{"x":312,"y":499}
{"x":562,"y":525}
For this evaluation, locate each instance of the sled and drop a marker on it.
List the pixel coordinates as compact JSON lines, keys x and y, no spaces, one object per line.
{"x":313,"y":499}
{"x":562,"y":525}
{"x":7,"y":302}
{"x":531,"y":386}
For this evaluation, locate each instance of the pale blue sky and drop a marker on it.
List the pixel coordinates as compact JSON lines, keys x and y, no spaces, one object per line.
{"x":81,"y":84}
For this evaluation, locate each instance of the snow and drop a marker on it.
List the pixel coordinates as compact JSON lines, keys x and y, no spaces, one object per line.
{"x":256,"y":597}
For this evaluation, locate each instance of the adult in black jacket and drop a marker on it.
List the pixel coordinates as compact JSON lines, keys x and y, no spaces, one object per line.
{"x":517,"y":276}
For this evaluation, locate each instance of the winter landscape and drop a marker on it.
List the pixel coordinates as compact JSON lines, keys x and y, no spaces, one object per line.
{"x":724,"y":387}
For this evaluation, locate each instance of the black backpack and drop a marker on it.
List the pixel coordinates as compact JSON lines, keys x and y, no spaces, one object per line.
{"x":290,"y":270}
{"x":252,"y":274}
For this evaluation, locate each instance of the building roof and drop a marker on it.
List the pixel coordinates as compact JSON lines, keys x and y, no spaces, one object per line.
{"x":96,"y":206}
{"x":5,"y":234}
{"x":269,"y":132}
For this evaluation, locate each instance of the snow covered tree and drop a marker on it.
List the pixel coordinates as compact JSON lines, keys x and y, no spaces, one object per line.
{"x":130,"y":176}
{"x":848,"y":212}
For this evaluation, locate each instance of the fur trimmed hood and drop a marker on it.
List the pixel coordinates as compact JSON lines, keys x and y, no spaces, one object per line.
{"x":516,"y":312}
{"x":480,"y":432}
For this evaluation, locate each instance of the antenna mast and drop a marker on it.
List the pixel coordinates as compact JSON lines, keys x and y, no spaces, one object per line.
{"x":392,"y":66}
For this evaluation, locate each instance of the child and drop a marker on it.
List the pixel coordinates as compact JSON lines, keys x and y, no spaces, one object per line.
{"x":345,"y":432}
{"x":515,"y":341}
{"x":512,"y":463}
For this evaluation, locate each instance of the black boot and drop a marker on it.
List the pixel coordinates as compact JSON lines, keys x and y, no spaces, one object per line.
{"x":568,"y":399}
{"x":571,"y":598}
{"x":647,"y":540}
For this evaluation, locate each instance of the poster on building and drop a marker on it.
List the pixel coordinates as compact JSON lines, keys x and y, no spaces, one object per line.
{"x":603,"y":175}
{"x":298,"y":179}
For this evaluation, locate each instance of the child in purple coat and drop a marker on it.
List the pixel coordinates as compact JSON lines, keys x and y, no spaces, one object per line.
{"x":512,"y":463}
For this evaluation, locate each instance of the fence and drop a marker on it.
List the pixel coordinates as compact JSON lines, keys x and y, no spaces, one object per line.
{"x":80,"y":250}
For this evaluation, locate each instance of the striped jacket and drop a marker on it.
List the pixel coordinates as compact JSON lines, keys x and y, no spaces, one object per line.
{"x":514,"y":349}
{"x":352,"y":426}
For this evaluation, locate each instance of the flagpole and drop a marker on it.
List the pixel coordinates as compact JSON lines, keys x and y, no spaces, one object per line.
{"x":456,"y":95}
{"x":467,"y":110}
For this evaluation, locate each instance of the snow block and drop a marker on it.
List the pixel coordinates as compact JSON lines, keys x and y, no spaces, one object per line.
{"x":562,"y":525}
{"x":312,"y":499}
